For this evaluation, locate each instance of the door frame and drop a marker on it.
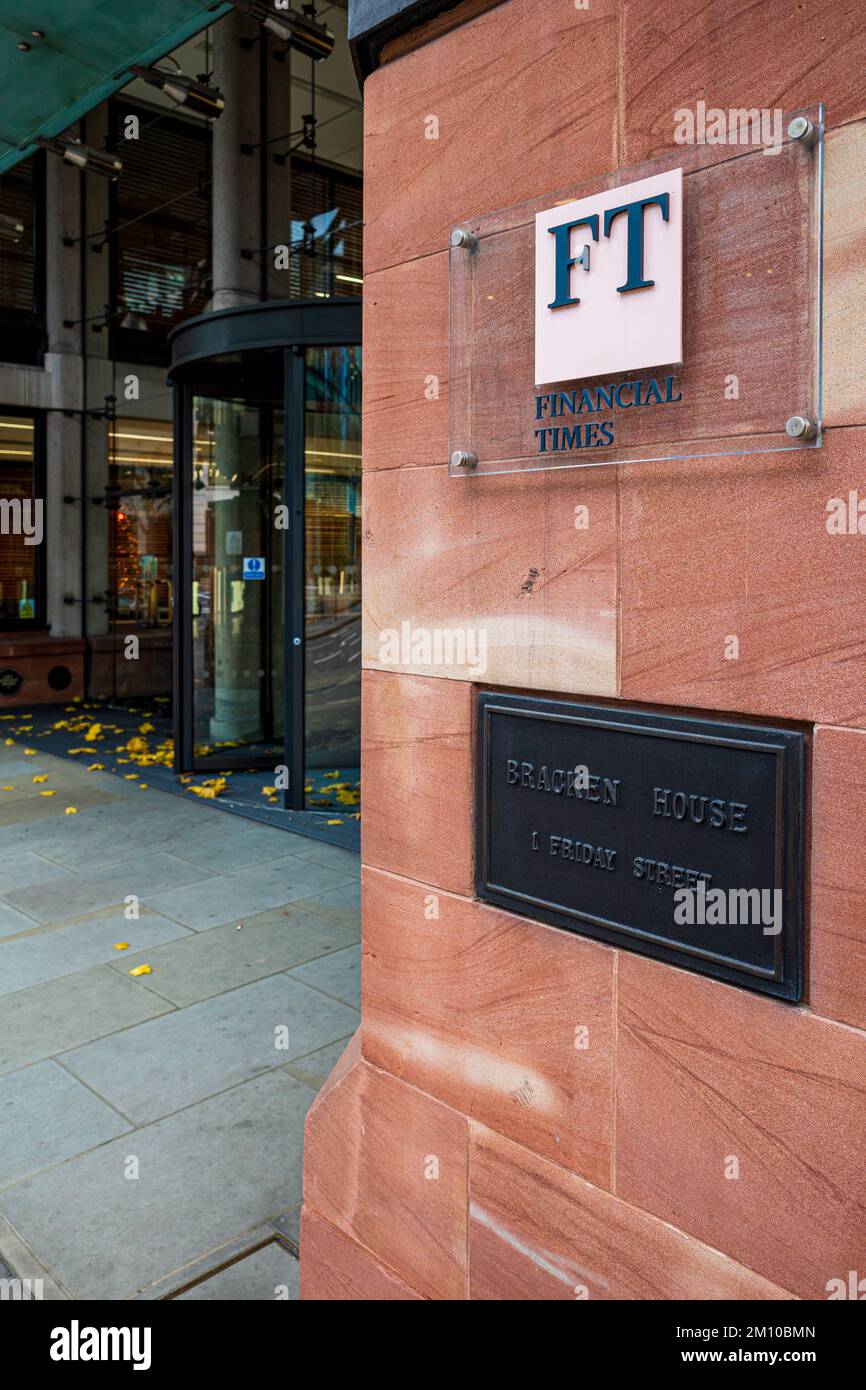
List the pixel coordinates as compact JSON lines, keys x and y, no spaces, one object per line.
{"x":216,"y":342}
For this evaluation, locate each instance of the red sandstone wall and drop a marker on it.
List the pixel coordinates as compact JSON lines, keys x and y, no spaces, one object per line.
{"x":464,"y":1147}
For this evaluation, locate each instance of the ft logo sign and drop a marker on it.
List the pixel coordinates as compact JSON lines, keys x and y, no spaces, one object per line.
{"x":609,"y":281}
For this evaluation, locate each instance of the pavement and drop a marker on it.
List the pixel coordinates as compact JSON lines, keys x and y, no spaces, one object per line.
{"x":151,"y":1124}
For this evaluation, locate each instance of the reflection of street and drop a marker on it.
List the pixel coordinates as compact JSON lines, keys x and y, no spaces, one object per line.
{"x":333,"y":686}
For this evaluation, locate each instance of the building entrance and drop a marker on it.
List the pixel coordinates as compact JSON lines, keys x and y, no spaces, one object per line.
{"x":267,"y":547}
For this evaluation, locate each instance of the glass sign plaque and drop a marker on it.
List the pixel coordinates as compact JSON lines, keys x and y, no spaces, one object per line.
{"x":667,"y":311}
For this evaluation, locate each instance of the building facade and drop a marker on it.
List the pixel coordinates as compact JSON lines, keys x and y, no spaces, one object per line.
{"x":163,"y":570}
{"x":530,"y":1112}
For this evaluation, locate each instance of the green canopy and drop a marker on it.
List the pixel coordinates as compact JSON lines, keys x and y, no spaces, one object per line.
{"x":86,"y":54}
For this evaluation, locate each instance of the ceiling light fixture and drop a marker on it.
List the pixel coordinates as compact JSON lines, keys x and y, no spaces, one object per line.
{"x":300,"y":31}
{"x":11,"y":228}
{"x":191,"y":92}
{"x":83,"y":157}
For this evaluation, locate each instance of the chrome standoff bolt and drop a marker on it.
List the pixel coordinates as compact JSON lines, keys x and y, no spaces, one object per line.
{"x":801,"y":427}
{"x":460,"y":237}
{"x":463,"y":458}
{"x":803,"y":130}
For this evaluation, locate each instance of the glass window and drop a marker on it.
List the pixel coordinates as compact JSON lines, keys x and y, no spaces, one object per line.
{"x":22,"y":523}
{"x":140,"y":531}
{"x":22,"y":329}
{"x":327,"y":234}
{"x":17,"y":258}
{"x":161,"y":252}
{"x":332,"y":570}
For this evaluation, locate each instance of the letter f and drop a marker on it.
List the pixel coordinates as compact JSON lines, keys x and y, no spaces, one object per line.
{"x":564,"y":259}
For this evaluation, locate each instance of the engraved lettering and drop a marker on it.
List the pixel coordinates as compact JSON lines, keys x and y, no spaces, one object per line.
{"x":679,"y":805}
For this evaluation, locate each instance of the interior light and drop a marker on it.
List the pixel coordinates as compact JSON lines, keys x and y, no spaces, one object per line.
{"x":83,"y":157}
{"x":299,"y":31}
{"x":11,"y":228}
{"x":191,"y":92}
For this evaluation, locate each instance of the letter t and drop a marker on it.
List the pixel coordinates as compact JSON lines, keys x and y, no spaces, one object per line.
{"x":634,"y":251}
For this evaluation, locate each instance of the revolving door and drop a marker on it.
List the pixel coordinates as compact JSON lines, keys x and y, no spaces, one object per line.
{"x":267,"y":548}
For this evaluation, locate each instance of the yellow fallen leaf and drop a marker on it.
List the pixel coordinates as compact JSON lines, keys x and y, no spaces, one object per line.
{"x":333,"y":774}
{"x":130,"y":776}
{"x":10,"y":742}
{"x":335,"y":822}
{"x":8,"y":789}
{"x":96,"y":767}
{"x":93,"y":733}
{"x":136,"y":745}
{"x":47,"y":793}
{"x":30,"y":752}
{"x":121,"y":946}
{"x":147,"y":728}
{"x":141,"y":970}
{"x":71,"y":811}
{"x":41,"y":777}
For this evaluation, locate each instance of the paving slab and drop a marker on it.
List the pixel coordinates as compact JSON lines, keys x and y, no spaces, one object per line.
{"x":65,"y":1013}
{"x":230,"y":897}
{"x":338,"y":975}
{"x":148,"y":874}
{"x":56,"y":827}
{"x":23,"y":867}
{"x":47,"y":1116}
{"x":270,"y":1273}
{"x":341,"y":904}
{"x":315,"y":1067}
{"x":98,"y":846}
{"x":336,"y":858}
{"x":202,"y":964}
{"x":205,"y":1175}
{"x":56,"y":951}
{"x":174,"y":1061}
{"x":243,"y":844}
{"x":38,"y":808}
{"x":288,"y":1223}
{"x":13,"y":923}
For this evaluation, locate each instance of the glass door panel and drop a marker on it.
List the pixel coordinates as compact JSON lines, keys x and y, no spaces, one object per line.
{"x":332,"y":578}
{"x":237,"y":582}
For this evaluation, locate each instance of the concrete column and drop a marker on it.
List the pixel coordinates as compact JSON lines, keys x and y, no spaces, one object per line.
{"x":98,"y":381}
{"x":236,"y":176}
{"x":278,"y":176}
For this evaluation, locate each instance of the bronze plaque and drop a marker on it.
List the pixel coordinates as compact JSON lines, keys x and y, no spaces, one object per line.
{"x":679,"y":838}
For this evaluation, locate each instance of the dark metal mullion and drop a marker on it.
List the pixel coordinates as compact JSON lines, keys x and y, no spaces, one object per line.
{"x":293,"y":575}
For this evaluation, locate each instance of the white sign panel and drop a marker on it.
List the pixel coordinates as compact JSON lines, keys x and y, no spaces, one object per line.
{"x":609,"y":281}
